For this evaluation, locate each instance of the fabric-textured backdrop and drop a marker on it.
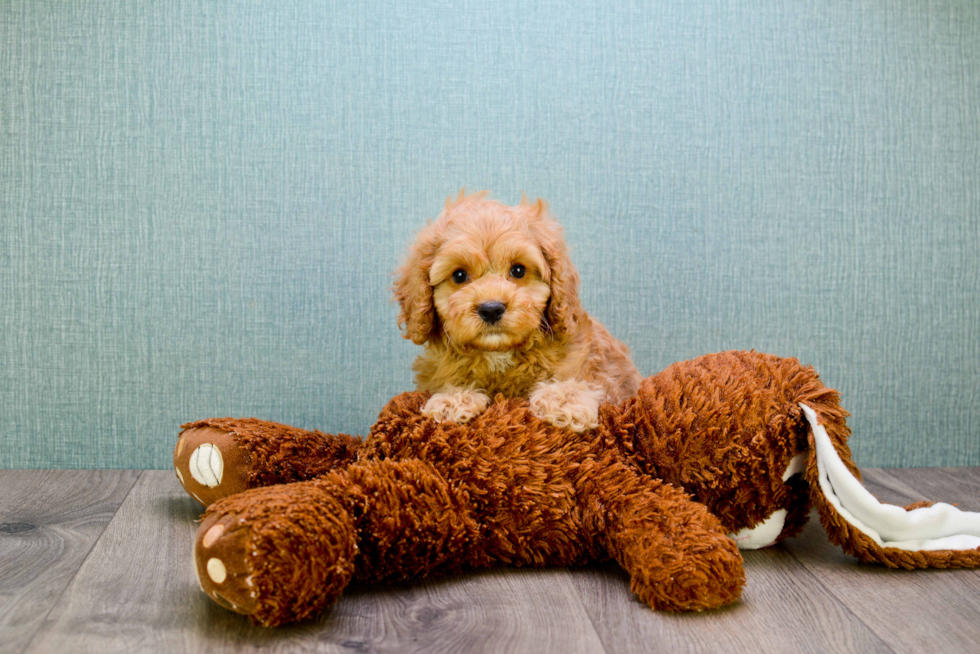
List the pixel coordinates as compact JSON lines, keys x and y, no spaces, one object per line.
{"x":202,"y":201}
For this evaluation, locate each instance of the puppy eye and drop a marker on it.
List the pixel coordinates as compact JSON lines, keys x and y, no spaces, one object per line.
{"x":459,"y":276}
{"x":517,"y":270}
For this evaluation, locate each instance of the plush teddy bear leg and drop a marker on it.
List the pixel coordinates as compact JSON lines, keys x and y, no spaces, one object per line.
{"x":676,"y":552}
{"x":282,"y":553}
{"x":219,"y":457}
{"x":728,"y":429}
{"x":276,"y":553}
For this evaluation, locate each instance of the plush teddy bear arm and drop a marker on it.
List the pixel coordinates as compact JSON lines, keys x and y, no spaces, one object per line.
{"x":218,"y":457}
{"x":677,"y":554}
{"x":282,"y":553}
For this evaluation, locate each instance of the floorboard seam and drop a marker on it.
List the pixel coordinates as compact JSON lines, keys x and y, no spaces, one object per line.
{"x":840,"y":601}
{"x":585,"y":609}
{"x":54,"y":605}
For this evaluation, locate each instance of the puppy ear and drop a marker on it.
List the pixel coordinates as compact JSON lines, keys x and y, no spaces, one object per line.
{"x":412,"y":290}
{"x":564,"y":310}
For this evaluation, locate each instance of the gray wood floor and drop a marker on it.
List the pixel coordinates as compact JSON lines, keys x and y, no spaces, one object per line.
{"x":100,"y":561}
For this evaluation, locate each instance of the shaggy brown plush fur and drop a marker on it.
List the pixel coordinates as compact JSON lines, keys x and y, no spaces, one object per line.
{"x":698,"y":453}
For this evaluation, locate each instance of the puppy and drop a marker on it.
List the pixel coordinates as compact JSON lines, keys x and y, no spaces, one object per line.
{"x":490,"y":292}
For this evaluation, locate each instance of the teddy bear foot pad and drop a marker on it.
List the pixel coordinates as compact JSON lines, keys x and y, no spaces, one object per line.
{"x":209,"y":464}
{"x":220,"y":556}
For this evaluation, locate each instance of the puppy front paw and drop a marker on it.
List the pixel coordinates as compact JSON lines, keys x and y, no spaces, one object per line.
{"x":456,"y":405}
{"x":572,"y":404}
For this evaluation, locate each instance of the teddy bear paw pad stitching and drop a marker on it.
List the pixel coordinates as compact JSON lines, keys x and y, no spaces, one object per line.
{"x":220,"y":558}
{"x":206,"y":465}
{"x":209,"y":464}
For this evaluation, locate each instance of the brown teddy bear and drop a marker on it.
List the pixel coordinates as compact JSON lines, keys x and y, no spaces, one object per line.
{"x":721,"y":452}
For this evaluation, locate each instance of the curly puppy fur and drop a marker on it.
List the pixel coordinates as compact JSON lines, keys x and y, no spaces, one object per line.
{"x":491,"y":293}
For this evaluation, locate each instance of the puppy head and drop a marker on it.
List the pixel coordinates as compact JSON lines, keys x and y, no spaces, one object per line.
{"x":487,"y":276}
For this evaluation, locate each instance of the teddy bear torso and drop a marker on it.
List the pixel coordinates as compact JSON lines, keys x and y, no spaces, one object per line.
{"x":529,"y":487}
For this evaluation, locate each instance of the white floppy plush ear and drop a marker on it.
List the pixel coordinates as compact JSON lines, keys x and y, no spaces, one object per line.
{"x":932,"y":528}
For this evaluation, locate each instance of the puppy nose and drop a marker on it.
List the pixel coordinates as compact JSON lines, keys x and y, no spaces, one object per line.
{"x":492,"y":311}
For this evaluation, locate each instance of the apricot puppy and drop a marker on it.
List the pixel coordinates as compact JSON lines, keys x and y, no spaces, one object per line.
{"x":490,"y":292}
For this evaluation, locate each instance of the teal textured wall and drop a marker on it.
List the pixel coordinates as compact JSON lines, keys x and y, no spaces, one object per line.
{"x":202,"y":201}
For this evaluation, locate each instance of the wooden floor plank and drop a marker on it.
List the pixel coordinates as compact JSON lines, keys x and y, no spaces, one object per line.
{"x":782,"y":609}
{"x":959,"y":486}
{"x":49,"y":522}
{"x":503,"y":610}
{"x":912,"y":611}
{"x":137,"y":592}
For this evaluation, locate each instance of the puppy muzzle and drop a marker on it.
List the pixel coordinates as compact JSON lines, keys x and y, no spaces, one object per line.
{"x":491,"y":312}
